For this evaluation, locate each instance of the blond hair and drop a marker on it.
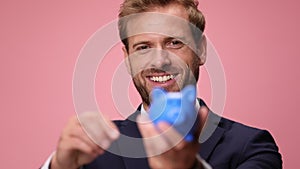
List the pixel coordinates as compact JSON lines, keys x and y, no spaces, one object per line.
{"x":129,"y":7}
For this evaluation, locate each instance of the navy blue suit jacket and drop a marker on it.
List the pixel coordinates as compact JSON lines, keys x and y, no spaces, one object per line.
{"x":230,"y":146}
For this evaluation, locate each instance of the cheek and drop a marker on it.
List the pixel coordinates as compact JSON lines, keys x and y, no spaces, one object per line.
{"x":195,"y":64}
{"x":196,"y":61}
{"x":189,"y":58}
{"x":140,"y":79}
{"x":139,"y":63}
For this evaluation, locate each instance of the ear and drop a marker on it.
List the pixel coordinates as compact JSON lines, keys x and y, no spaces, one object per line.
{"x":202,"y":50}
{"x":126,"y":57}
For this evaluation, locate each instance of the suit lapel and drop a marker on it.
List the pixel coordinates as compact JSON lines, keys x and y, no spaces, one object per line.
{"x":209,"y":138}
{"x":131,"y":144}
{"x":211,"y":135}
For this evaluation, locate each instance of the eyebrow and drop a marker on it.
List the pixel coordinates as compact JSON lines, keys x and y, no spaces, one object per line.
{"x":181,"y":38}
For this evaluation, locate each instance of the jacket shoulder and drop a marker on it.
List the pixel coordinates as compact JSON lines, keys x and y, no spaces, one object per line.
{"x":243,"y":146}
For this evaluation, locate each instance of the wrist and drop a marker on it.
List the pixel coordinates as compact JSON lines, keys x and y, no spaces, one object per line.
{"x":55,"y":164}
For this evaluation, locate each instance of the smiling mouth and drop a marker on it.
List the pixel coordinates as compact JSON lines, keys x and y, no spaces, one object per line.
{"x":162,"y":78}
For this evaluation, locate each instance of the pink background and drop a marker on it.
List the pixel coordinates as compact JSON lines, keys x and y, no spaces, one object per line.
{"x":258,"y":42}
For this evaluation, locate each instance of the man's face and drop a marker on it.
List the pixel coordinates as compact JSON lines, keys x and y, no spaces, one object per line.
{"x":161,"y":51}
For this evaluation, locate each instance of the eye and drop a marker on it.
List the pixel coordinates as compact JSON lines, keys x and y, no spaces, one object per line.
{"x":175,"y":44}
{"x":142,"y":47}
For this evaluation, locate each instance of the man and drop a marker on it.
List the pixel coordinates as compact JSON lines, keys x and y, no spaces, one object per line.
{"x":162,"y":49}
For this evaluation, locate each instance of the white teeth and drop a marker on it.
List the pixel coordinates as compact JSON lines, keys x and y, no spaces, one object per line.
{"x":162,"y":78}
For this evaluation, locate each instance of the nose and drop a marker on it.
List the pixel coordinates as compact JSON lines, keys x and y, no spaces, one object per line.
{"x":161,"y":58}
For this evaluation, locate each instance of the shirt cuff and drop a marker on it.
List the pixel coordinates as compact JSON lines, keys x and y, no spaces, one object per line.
{"x":203,"y":162}
{"x":47,"y":163}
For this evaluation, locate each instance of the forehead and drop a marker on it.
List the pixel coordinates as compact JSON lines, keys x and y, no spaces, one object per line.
{"x":171,"y":21}
{"x":172,"y":9}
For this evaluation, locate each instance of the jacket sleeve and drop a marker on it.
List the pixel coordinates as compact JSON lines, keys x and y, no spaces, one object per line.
{"x":260,"y":152}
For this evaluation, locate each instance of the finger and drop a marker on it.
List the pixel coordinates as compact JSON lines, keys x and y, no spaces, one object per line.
{"x":174,"y":138}
{"x":78,"y":150}
{"x":87,"y":128}
{"x":72,"y":144}
{"x":110,"y":130}
{"x":74,"y":129}
{"x":154,"y":142}
{"x":79,"y":133}
{"x":147,"y":127}
{"x":98,"y":129}
{"x":109,"y":127}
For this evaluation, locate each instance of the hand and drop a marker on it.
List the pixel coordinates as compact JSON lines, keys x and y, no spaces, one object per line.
{"x":166,"y":148}
{"x":76,"y":148}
